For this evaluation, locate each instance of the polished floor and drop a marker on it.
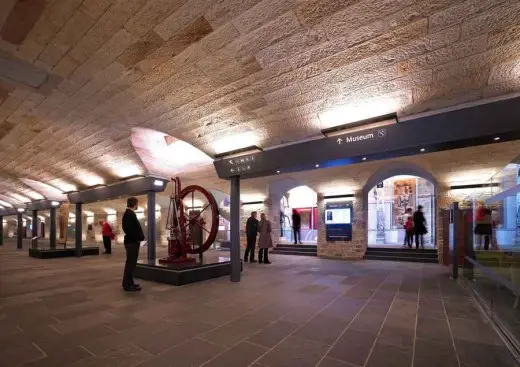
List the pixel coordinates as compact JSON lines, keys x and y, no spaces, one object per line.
{"x":297,"y":312}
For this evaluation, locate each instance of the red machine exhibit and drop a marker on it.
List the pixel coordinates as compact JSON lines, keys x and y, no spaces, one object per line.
{"x":192,"y":222}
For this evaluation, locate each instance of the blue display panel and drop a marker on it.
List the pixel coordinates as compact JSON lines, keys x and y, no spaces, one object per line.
{"x":338,"y":220}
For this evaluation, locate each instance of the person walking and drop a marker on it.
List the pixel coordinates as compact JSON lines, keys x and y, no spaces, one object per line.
{"x":408,"y":228}
{"x":296,"y":224}
{"x":133,"y":237}
{"x":484,"y":226}
{"x":264,"y":242}
{"x":108,"y":236}
{"x":251,"y":232}
{"x":419,"y":225}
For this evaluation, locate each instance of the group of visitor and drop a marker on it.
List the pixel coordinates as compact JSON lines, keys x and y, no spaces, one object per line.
{"x":262,"y":229}
{"x":414,"y":225}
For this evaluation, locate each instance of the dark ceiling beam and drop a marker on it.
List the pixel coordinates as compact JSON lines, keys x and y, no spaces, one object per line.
{"x":477,"y":125}
{"x":133,"y":187}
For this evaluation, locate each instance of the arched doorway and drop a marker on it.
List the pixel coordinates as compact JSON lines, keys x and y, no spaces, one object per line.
{"x":387,"y":195}
{"x":303,"y":200}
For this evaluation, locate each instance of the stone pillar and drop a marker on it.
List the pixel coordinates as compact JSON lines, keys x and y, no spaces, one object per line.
{"x":19,"y":231}
{"x":52,"y":229}
{"x":1,"y":231}
{"x":79,"y":230}
{"x":235,"y":229}
{"x":152,"y":228}
{"x":34,"y":223}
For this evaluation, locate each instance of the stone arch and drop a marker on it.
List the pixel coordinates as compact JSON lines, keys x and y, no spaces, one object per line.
{"x":277,"y":190}
{"x":397,"y":169}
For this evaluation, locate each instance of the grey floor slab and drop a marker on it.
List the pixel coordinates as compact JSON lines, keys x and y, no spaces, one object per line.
{"x":299,"y":312}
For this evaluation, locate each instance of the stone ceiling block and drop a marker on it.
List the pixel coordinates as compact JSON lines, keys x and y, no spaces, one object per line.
{"x":21,"y":18}
{"x":261,"y":14}
{"x":312,"y":12}
{"x":496,"y":18}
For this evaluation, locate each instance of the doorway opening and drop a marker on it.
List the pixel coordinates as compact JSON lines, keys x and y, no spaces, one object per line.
{"x":388,"y":201}
{"x":303,"y":200}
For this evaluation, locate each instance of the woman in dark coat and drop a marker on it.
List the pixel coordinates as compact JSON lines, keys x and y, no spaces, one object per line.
{"x":419,"y":225}
{"x":264,"y":242}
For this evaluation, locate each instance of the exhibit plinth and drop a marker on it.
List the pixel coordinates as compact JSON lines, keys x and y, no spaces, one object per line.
{"x":61,"y":252}
{"x":182,"y":273}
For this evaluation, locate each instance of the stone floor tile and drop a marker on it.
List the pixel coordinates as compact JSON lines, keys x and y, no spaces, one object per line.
{"x":191,"y":353}
{"x":239,"y":356}
{"x":401,"y":321}
{"x":62,"y":358}
{"x":294,"y":352}
{"x":434,"y":330}
{"x":389,"y":356}
{"x":483,"y":355}
{"x":17,"y":355}
{"x":344,"y":308}
{"x":329,"y":362}
{"x":475,"y":330}
{"x":353,"y":347}
{"x":432,"y":354}
{"x":370,"y":319}
{"x":125,"y":355}
{"x":301,"y":314}
{"x":273,"y":333}
{"x":234,"y":332}
{"x":396,"y":336}
{"x":322,"y":328}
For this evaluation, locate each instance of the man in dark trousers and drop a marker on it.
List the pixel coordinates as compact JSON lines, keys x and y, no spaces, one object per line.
{"x":133,"y":237}
{"x":296,"y":224}
{"x":251,"y":232}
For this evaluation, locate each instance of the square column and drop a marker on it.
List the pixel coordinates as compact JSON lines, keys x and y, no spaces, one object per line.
{"x":235,"y":229}
{"x":52,"y":229}
{"x":152,"y":225}
{"x":79,"y":228}
{"x":19,"y":231}
{"x":1,"y":231}
{"x":34,"y":223}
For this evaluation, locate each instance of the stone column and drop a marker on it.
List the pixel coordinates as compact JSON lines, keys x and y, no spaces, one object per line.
{"x":152,"y":228}
{"x":79,"y":230}
{"x":52,"y":229}
{"x":19,"y":231}
{"x":1,"y":231}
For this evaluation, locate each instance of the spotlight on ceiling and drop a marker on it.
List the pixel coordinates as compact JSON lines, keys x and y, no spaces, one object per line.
{"x":364,"y":158}
{"x":423,"y":150}
{"x":371,"y":123}
{"x":278,"y":171}
{"x":496,"y":138}
{"x":20,"y":210}
{"x":317,"y":165}
{"x":55,"y":203}
{"x":158,"y":183}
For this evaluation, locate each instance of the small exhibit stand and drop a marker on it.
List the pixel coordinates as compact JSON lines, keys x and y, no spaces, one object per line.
{"x":182,"y":273}
{"x":52,"y":253}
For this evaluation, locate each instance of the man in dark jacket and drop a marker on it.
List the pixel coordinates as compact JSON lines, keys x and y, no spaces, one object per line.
{"x":297,"y":224}
{"x":133,"y":237}
{"x":251,"y":232}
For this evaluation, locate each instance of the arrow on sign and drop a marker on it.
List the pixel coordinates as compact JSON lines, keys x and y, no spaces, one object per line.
{"x":340,"y":140}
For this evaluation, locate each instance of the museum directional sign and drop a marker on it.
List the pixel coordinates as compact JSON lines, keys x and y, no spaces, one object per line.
{"x":476,"y":125}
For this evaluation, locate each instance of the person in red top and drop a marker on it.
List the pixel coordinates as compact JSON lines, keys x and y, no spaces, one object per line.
{"x":108,"y":236}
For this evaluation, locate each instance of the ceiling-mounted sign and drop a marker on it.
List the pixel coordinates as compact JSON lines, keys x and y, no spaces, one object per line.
{"x":360,"y":137}
{"x":338,"y":220}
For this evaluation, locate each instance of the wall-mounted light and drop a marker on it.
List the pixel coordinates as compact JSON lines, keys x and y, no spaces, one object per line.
{"x":423,"y":150}
{"x":278,"y":171}
{"x":364,"y":158}
{"x":496,"y":138}
{"x":338,"y":196}
{"x":317,"y":165}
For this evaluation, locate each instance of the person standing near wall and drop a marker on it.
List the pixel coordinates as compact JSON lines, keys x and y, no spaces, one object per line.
{"x":108,"y":236}
{"x":408,"y":228}
{"x":133,"y":237}
{"x":265,"y":241}
{"x":419,"y":225}
{"x":251,"y":232}
{"x":297,"y":224}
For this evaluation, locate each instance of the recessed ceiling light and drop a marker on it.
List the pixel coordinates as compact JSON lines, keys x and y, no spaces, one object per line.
{"x":364,"y":158}
{"x":317,"y":165}
{"x":497,"y":138}
{"x":423,"y":149}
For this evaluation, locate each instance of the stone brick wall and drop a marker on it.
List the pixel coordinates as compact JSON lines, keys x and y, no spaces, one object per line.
{"x":348,"y":250}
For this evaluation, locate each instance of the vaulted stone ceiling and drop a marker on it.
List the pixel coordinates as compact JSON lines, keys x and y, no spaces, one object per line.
{"x":77,"y":75}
